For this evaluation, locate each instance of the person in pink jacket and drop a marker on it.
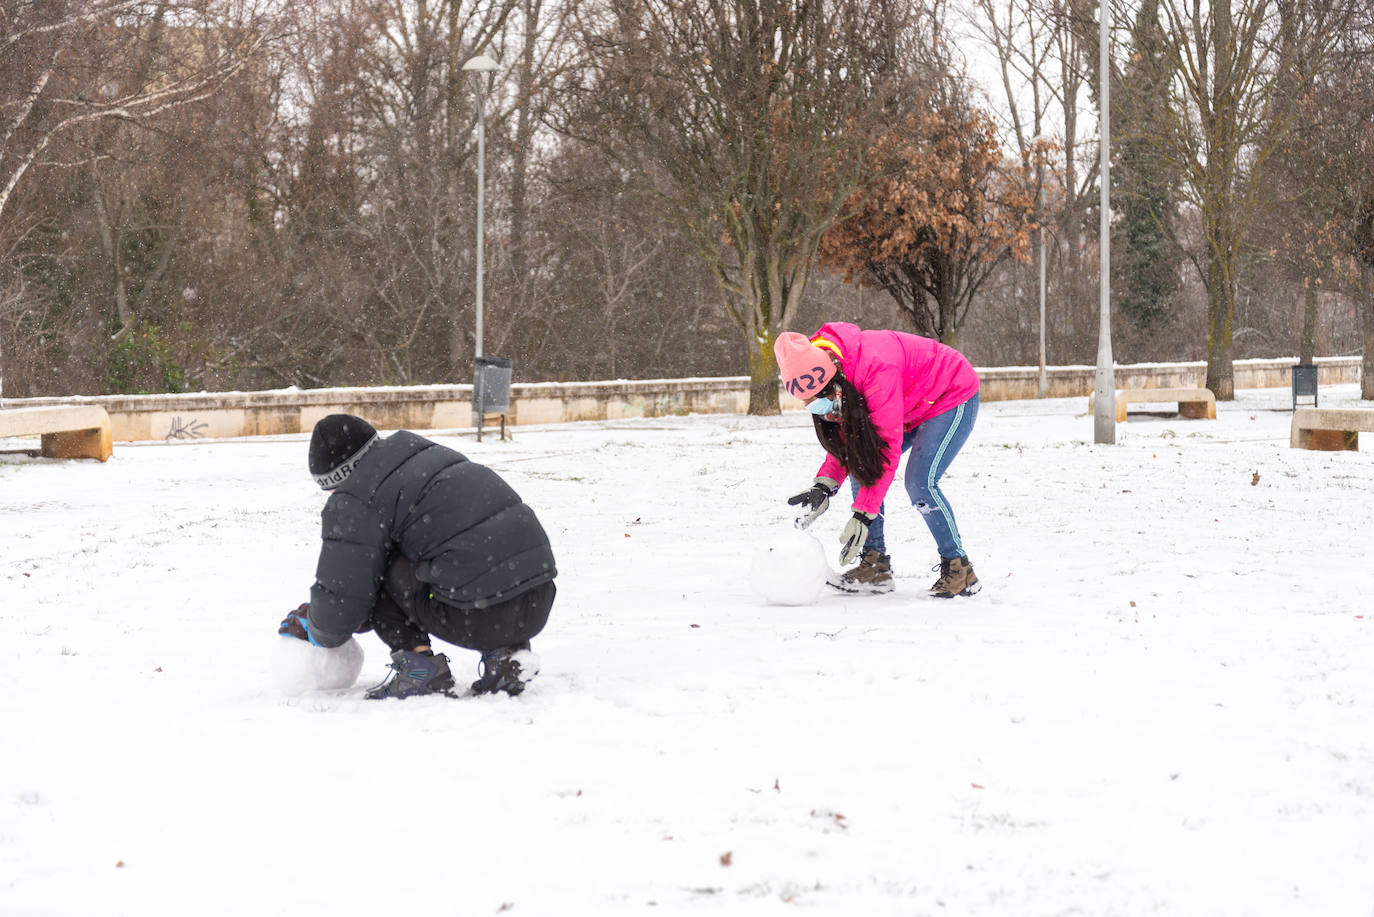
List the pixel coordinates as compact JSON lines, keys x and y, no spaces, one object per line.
{"x":874,"y":395}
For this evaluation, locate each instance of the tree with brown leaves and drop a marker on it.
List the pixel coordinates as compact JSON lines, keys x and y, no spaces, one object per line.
{"x":942,"y":211}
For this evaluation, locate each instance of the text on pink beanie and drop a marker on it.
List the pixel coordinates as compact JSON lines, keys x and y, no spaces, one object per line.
{"x":805,"y":368}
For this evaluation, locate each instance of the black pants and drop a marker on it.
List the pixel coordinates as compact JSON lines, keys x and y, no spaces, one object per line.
{"x":406,"y":615}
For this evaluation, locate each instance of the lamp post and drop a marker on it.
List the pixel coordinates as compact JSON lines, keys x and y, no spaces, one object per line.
{"x":1043,"y":387}
{"x":480,"y":64}
{"x":1104,"y":384}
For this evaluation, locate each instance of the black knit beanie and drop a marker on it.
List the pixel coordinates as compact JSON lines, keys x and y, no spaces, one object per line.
{"x":337,"y":444}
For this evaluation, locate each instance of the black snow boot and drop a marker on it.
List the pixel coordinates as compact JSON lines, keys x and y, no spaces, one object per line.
{"x":506,"y":669}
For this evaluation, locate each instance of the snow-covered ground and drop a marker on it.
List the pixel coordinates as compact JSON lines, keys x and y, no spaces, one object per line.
{"x":1162,"y":702}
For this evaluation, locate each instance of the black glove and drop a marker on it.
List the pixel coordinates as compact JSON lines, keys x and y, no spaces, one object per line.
{"x":816,"y":500}
{"x":854,"y":535}
{"x":297,"y":624}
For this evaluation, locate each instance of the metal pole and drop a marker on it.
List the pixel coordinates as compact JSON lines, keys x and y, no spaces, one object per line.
{"x":481,"y":191}
{"x":1044,"y":387}
{"x":1104,"y":385}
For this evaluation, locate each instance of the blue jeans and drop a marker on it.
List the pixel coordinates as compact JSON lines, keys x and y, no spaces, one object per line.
{"x":933,"y":445}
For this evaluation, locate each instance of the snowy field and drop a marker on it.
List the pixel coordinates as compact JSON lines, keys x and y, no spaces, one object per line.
{"x":1161,"y":703}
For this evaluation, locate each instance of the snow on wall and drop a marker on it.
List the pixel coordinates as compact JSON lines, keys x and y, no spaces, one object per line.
{"x":217,"y":415}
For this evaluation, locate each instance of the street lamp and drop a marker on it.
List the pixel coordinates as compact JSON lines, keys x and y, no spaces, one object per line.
{"x":1104,"y":384}
{"x":480,"y":64}
{"x":1043,"y":387}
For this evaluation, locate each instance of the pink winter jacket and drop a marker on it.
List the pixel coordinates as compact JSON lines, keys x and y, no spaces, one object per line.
{"x":905,"y":378}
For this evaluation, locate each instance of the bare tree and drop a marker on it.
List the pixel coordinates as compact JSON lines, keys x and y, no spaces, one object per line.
{"x":540,"y":56}
{"x":620,"y":295}
{"x":419,"y":118}
{"x":69,"y":66}
{"x":1224,"y":61}
{"x":1341,"y":147}
{"x":65,"y":64}
{"x":1023,"y":42}
{"x":1044,"y":57}
{"x":748,"y":121}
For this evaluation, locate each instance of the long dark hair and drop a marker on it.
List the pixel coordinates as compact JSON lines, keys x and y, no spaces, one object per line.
{"x":854,"y":441}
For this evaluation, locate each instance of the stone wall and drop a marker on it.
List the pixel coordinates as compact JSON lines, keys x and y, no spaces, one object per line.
{"x":429,"y":407}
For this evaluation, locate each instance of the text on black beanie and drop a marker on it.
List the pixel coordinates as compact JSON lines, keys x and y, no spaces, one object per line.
{"x":337,"y":444}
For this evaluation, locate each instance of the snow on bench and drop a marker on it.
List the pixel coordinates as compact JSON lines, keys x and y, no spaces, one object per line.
{"x":77,"y":431}
{"x":1330,"y":428}
{"x":1197,"y":403}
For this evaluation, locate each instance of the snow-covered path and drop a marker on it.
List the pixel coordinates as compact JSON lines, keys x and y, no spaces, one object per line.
{"x":1162,"y":702}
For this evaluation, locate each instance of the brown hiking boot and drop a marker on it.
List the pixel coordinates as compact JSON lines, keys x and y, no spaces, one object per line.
{"x":956,"y":578}
{"x":873,"y":575}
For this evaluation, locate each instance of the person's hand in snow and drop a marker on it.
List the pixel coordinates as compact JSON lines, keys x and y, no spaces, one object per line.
{"x":814,"y":501}
{"x":854,"y":534}
{"x":297,"y":624}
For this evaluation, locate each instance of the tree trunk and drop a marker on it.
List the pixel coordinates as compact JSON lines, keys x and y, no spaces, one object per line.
{"x":111,"y":249}
{"x":949,"y":332}
{"x":945,"y":294}
{"x":779,"y":283}
{"x":1307,"y":346}
{"x":1222,"y":149}
{"x":1075,"y":338}
{"x":1221,"y":310}
{"x":520,"y":156}
{"x":1367,"y":316}
{"x":763,"y":378}
{"x":458,"y":350}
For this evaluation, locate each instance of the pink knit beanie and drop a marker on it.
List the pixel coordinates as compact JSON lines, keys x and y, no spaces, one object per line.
{"x":805,"y":368}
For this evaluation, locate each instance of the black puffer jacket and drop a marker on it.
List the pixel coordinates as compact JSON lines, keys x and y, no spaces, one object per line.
{"x":470,"y":535}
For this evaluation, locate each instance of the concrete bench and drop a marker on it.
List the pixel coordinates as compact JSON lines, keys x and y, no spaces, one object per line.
{"x":1330,"y":428}
{"x":1197,"y":403}
{"x":77,"y":431}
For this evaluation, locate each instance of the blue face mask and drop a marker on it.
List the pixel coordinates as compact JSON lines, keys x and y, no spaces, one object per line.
{"x":822,"y":406}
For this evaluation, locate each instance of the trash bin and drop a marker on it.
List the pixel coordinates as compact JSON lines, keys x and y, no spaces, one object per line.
{"x":1304,"y":383}
{"x":491,"y":390}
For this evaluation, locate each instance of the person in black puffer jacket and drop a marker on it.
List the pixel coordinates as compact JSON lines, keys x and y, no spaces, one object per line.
{"x":419,"y":541}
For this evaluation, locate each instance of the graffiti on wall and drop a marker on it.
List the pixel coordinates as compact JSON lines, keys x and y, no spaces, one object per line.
{"x":190,"y":429}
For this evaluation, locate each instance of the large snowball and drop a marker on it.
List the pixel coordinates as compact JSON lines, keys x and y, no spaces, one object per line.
{"x":298,"y":667}
{"x":789,"y":567}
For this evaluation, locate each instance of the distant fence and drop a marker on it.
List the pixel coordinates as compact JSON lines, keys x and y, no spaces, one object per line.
{"x":216,"y":415}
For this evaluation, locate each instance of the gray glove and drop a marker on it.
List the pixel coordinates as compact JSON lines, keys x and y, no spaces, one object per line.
{"x":814,"y":501}
{"x":854,"y":534}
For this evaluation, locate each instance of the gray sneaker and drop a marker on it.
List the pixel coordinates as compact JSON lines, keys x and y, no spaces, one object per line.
{"x":872,"y":576}
{"x":415,"y":673}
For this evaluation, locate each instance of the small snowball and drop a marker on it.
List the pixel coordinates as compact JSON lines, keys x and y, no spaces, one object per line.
{"x":789,"y":567}
{"x":298,"y":667}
